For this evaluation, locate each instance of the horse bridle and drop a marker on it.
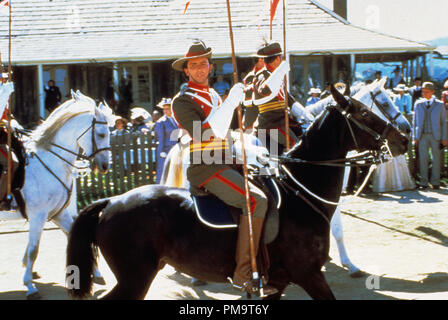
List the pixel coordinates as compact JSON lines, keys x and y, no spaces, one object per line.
{"x":368,"y":159}
{"x":95,"y":149}
{"x":380,"y":106}
{"x":381,"y":137}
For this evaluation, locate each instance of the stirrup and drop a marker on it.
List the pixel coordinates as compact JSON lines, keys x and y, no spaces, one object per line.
{"x":263,"y":291}
{"x":246,"y":287}
{"x":242,"y":288}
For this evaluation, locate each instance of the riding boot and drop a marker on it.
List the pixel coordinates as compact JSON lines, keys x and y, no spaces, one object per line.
{"x":5,"y":200}
{"x":242,"y":274}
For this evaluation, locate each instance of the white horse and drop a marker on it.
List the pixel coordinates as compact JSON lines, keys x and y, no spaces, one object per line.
{"x":49,"y":189}
{"x":377,"y":98}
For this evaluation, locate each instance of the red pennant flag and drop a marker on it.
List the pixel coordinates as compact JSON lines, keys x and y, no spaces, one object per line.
{"x":274,"y":4}
{"x":186,"y":6}
{"x":4,"y":7}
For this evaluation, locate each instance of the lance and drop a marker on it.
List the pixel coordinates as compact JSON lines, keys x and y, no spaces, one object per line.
{"x":255,"y":275}
{"x":285,"y":80}
{"x":8,"y":114}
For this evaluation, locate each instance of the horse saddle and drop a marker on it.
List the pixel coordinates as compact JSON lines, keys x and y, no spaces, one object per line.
{"x":214,"y":213}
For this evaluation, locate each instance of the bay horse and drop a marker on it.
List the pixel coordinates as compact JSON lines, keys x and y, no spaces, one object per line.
{"x":49,"y":190}
{"x":140,"y":231}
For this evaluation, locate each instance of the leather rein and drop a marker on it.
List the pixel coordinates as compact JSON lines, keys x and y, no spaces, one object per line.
{"x":369,"y":158}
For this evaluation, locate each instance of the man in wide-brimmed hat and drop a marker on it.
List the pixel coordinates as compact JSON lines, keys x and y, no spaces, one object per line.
{"x":199,"y":110}
{"x":269,"y":98}
{"x":430,"y":132}
{"x":403,"y":100}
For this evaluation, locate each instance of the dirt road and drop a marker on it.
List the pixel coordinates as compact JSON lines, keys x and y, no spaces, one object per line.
{"x":400,"y":240}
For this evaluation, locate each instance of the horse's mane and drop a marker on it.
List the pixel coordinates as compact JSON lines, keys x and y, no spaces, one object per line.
{"x":43,"y":135}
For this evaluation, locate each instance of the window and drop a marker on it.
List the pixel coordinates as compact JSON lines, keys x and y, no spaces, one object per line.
{"x":307,"y":73}
{"x":143,"y":84}
{"x":137,"y":78}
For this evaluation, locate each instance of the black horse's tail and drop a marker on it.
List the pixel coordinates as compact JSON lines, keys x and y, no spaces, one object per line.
{"x":81,"y":250}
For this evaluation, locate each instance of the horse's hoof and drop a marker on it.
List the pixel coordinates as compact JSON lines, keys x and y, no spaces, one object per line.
{"x":357,"y":274}
{"x":99,"y":280}
{"x":36,"y":275}
{"x":34,"y":296}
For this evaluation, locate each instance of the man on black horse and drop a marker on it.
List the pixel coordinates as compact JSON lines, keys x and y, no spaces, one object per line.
{"x":17,"y":152}
{"x":199,"y":110}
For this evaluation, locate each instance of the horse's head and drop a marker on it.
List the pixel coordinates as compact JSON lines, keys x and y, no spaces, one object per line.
{"x":368,"y":130}
{"x":378,"y":100}
{"x":95,"y":139}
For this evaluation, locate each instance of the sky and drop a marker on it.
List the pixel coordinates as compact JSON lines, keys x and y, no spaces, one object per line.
{"x":418,"y":20}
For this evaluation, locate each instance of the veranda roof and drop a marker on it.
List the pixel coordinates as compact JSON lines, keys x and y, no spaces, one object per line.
{"x":70,"y":31}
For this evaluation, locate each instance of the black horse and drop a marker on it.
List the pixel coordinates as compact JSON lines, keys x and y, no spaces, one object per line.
{"x":141,"y":230}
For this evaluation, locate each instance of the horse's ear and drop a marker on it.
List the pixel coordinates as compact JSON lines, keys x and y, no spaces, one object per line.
{"x":74,"y":94}
{"x":338,"y":97}
{"x":347,"y":89}
{"x":382,"y":82}
{"x":107,"y":112}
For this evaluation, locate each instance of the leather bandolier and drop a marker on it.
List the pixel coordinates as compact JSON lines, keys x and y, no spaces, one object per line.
{"x":251,"y":110}
{"x":191,"y":107}
{"x":269,"y":107}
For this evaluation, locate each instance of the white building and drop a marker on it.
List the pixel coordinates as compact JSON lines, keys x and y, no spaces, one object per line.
{"x":81,"y":44}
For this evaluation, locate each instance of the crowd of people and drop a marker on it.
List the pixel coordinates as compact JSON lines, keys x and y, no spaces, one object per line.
{"x":142,"y":122}
{"x":428,"y":115}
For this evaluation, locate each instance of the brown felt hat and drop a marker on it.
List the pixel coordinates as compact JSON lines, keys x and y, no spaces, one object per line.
{"x":269,"y":50}
{"x":197,"y":50}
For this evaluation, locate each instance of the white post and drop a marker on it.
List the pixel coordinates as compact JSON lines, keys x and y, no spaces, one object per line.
{"x":151,"y":87}
{"x":352,"y":67}
{"x":116,"y":80}
{"x":40,"y":91}
{"x":408,"y":78}
{"x":418,"y":72}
